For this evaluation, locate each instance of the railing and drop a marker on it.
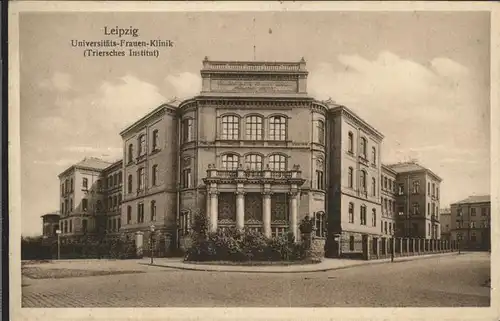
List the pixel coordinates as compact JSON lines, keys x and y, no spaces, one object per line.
{"x":227,"y":173}
{"x":249,"y":66}
{"x":249,"y":174}
{"x":281,"y":174}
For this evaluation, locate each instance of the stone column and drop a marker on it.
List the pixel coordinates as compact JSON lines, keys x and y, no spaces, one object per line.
{"x":418,"y":245}
{"x":139,"y":243}
{"x":377,"y":246}
{"x":240,"y":210}
{"x":407,"y":246}
{"x":293,"y":214}
{"x":266,"y":213}
{"x":414,"y":247}
{"x":401,"y":246}
{"x":214,"y":210}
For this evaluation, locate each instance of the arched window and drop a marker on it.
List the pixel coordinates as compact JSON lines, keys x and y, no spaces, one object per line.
{"x":253,"y":162}
{"x":230,"y":127}
{"x":362,"y":181}
{"x":130,"y":182}
{"x":350,"y":143}
{"x":154,"y":175}
{"x":350,"y":177}
{"x":374,"y":217}
{"x":351,"y":212}
{"x":142,"y":145}
{"x":277,"y":128}
{"x":130,"y":153}
{"x":254,"y":127}
{"x":374,"y":187}
{"x":374,"y":156}
{"x":363,"y":147}
{"x":153,"y":211}
{"x":277,"y":162}
{"x":230,"y":161}
{"x":321,"y":132}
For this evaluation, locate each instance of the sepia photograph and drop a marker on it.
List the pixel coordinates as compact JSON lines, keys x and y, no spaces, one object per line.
{"x":254,"y":158}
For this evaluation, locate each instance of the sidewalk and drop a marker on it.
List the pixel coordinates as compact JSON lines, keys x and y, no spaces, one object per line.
{"x":325,"y":265}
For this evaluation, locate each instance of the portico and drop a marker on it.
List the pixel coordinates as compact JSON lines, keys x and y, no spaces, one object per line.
{"x":265,"y":201}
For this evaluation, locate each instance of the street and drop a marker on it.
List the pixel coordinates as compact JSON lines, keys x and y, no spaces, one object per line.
{"x":451,"y":281}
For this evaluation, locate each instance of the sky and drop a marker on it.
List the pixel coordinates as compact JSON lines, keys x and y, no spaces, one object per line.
{"x":420,"y":78}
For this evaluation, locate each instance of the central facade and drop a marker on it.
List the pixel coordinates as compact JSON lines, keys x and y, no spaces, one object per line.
{"x":252,"y":149}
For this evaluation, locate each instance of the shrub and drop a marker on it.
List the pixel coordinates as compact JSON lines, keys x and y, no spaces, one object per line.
{"x":233,"y":245}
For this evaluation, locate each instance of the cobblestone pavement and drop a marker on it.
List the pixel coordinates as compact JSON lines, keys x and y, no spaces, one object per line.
{"x":449,"y":281}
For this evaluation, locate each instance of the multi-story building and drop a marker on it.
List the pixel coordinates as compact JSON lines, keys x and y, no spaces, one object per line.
{"x":251,"y":150}
{"x":417,"y":201}
{"x":354,"y":172}
{"x":388,"y":201}
{"x":108,"y":208}
{"x":445,"y":222}
{"x":81,"y":197}
{"x":50,"y":223}
{"x":471,"y":222}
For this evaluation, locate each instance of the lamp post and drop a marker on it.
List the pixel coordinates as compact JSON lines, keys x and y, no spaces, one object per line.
{"x":152,"y":230}
{"x":459,"y":239}
{"x":58,"y":232}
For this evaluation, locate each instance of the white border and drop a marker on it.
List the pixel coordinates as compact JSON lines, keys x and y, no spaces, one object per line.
{"x":492,"y":313}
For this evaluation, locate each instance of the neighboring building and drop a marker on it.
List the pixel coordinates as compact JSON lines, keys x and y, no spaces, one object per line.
{"x":81,"y":199}
{"x":252,"y":150}
{"x":445,"y":221}
{"x":50,"y":223}
{"x":417,"y":201}
{"x":354,"y":170}
{"x":471,"y":222}
{"x":388,"y":201}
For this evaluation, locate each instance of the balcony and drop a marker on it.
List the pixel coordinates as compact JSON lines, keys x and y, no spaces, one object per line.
{"x":267,"y":175}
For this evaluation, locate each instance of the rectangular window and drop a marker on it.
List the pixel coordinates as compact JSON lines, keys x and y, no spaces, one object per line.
{"x":119,"y":223}
{"x":70,"y":226}
{"x":84,"y":204}
{"x":429,"y":189}
{"x":155,"y":139}
{"x":483,"y":211}
{"x":187,"y":130}
{"x":473,"y":212}
{"x":416,"y":187}
{"x":277,"y":128}
{"x":154,"y":175}
{"x":140,"y":213}
{"x":363,"y":215}
{"x":429,"y":229}
{"x":351,"y":243}
{"x":472,"y":224}
{"x":321,"y":132}
{"x":153,"y":211}
{"x":401,"y":189}
{"x":85,"y":183}
{"x":351,"y":213}
{"x":186,"y":178}
{"x":84,"y":226}
{"x":230,"y":128}
{"x":140,"y":179}
{"x":319,"y":180}
{"x":129,"y":214}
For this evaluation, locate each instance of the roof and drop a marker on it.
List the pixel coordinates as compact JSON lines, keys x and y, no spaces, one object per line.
{"x":410,"y":167}
{"x":162,"y":108}
{"x":475,"y":199}
{"x":55,"y":213}
{"x":88,"y":163}
{"x":93,"y":162}
{"x":335,"y":108}
{"x":388,"y":169}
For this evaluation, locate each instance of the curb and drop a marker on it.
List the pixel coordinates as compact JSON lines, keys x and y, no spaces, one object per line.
{"x":222,"y":268}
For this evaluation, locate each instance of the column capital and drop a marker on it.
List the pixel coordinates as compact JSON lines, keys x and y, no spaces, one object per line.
{"x":293,"y":194}
{"x":238,"y":193}
{"x":267,"y":193}
{"x":214,"y":193}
